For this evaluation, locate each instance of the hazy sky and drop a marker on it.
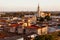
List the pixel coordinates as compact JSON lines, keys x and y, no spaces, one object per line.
{"x":29,"y":5}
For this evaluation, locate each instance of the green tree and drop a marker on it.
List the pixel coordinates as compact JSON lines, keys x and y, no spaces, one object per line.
{"x":40,"y":19}
{"x":44,"y":37}
{"x":49,"y":37}
{"x":48,"y":18}
{"x":39,"y":37}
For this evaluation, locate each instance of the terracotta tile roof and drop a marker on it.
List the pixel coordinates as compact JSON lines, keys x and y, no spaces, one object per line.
{"x":33,"y":26}
{"x":14,"y":25}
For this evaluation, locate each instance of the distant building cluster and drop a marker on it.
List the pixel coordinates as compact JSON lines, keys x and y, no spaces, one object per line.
{"x":17,"y":21}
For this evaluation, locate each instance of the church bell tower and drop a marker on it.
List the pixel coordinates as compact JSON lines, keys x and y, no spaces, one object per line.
{"x":38,"y":11}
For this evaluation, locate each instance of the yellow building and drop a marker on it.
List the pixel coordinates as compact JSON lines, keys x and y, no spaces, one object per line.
{"x":42,"y":30}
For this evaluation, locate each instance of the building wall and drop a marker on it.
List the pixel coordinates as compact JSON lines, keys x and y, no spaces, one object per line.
{"x":32,"y":18}
{"x":42,"y":31}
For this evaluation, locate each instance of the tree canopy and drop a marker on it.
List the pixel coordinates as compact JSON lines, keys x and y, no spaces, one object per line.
{"x":44,"y":37}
